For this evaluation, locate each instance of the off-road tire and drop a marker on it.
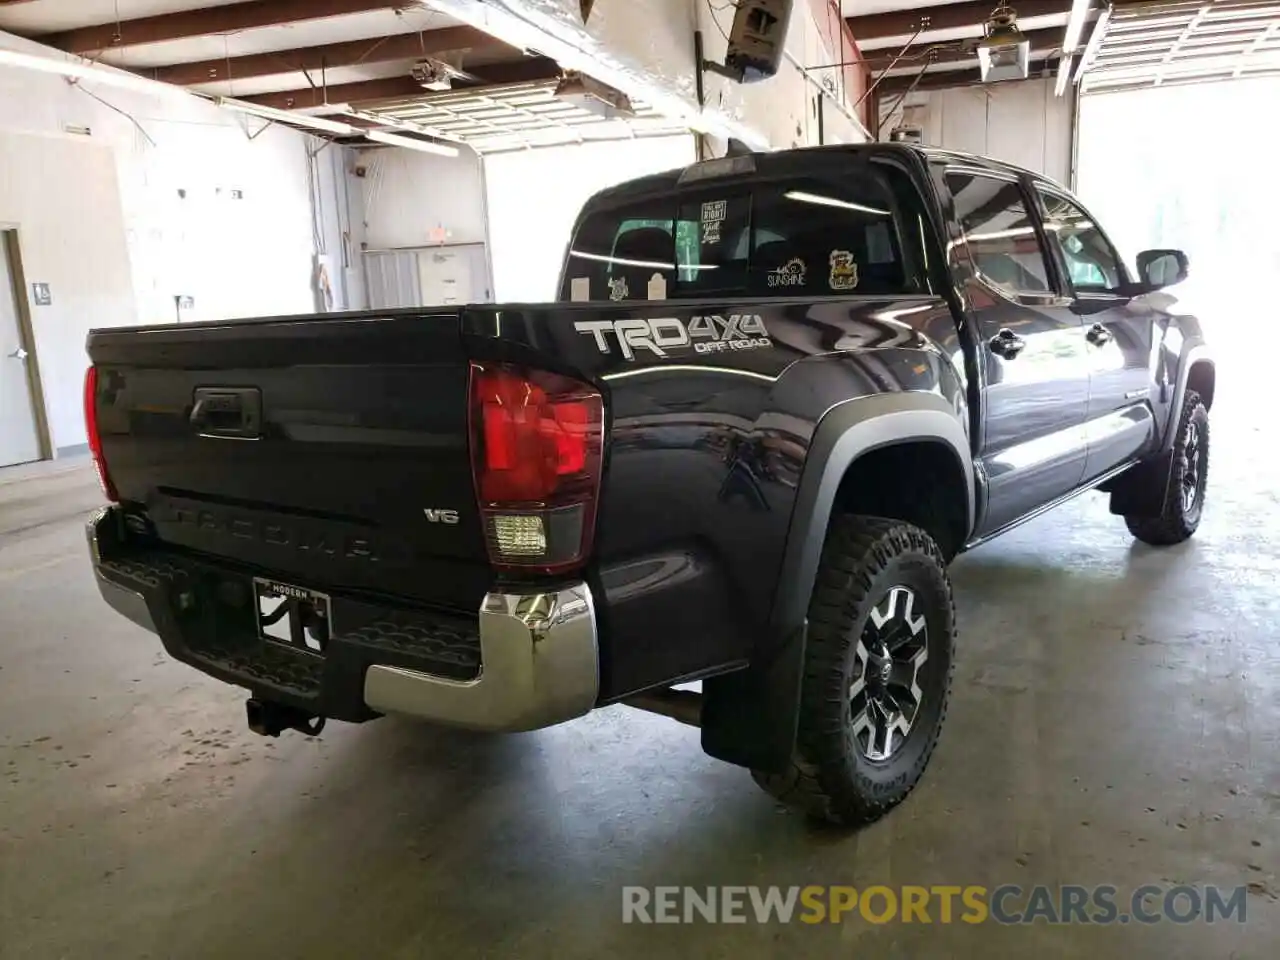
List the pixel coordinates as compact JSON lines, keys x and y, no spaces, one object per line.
{"x":831,"y":777}
{"x":1179,"y":519}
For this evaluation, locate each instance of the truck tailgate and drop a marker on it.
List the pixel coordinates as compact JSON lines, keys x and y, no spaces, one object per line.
{"x":330,"y":450}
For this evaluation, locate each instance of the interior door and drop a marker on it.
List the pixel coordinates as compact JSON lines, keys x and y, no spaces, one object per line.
{"x":1036,"y":372}
{"x":1120,"y":422}
{"x":19,"y":440}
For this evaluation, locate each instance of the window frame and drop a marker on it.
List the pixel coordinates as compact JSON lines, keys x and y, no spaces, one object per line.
{"x":1042,"y":188}
{"x":1053,"y":269}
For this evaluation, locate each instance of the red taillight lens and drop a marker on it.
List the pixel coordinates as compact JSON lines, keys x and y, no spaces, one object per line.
{"x":536,"y":442}
{"x":95,"y":439}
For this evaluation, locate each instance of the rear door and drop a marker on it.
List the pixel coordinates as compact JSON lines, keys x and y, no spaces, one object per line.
{"x":1033,"y":352}
{"x":1118,"y":331}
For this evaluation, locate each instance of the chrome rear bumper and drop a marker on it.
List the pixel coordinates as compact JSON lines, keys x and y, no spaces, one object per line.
{"x":539,"y":654}
{"x":539,"y":666}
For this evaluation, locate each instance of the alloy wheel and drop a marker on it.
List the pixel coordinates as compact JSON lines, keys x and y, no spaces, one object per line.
{"x":885,"y":695}
{"x":1193,"y":474}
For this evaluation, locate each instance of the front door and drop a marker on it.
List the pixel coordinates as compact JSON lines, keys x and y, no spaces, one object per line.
{"x":1033,"y":351}
{"x":1118,"y":329}
{"x":19,"y":441}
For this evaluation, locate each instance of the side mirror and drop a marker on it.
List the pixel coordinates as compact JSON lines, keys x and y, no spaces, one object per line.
{"x":1162,"y":268}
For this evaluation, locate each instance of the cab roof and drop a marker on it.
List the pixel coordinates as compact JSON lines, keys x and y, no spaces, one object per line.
{"x":784,"y":161}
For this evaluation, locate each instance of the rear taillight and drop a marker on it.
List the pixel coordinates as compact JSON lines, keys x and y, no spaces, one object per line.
{"x":536,"y":444}
{"x":95,"y":439}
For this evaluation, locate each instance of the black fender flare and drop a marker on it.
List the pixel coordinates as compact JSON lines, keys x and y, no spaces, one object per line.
{"x":846,"y":432}
{"x":1192,"y":354}
{"x":1141,"y":490}
{"x":750,"y":717}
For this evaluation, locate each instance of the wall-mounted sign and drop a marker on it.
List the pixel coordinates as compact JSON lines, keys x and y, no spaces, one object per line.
{"x":41,"y":295}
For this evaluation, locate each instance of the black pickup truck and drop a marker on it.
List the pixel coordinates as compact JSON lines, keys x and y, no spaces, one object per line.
{"x":780,"y":392}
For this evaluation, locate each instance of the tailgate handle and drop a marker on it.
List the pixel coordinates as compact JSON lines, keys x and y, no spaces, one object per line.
{"x":234,"y":412}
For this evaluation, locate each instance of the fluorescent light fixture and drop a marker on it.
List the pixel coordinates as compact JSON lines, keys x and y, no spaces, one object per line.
{"x":1064,"y":75}
{"x":324,"y":109}
{"x":1075,"y":26}
{"x":410,"y":143}
{"x":595,"y":97}
{"x":1095,"y":41}
{"x":287,"y":116}
{"x":803,"y":197}
{"x":78,"y":68}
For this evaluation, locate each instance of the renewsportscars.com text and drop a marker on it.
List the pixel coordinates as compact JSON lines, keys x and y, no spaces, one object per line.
{"x":1007,"y":904}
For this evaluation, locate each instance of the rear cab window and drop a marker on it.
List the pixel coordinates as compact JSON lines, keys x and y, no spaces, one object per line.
{"x":848,"y":228}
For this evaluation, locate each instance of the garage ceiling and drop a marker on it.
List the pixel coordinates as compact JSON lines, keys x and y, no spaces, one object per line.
{"x":944,"y":49}
{"x":1150,"y":44}
{"x":1127,"y":44}
{"x":303,"y":53}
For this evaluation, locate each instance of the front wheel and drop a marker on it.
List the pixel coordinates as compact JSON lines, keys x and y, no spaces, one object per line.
{"x":1182,"y":498}
{"x":877,"y":676}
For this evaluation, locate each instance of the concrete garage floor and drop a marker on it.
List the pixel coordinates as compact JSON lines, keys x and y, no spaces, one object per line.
{"x":1115,"y":721}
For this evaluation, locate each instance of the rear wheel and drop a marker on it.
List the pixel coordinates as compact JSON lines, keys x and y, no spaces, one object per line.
{"x":877,"y":672}
{"x":1182,"y":497}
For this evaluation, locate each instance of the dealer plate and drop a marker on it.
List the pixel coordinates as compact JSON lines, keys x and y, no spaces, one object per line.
{"x":297,"y":617}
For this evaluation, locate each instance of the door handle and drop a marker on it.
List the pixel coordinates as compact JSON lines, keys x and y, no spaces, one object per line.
{"x":18,"y":354}
{"x":1098,"y":335}
{"x":227,"y":412}
{"x":1006,"y":344}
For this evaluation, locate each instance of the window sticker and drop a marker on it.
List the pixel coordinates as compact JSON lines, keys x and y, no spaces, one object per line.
{"x":657,"y":287}
{"x":580,"y":289}
{"x":790,"y":274}
{"x":618,"y":288}
{"x":844,"y":271}
{"x":713,"y":216}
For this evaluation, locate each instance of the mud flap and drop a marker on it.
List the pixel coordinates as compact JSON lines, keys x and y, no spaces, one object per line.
{"x":1140,"y":492}
{"x":750,"y":718}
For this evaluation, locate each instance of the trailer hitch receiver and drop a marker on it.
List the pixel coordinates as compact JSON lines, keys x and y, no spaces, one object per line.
{"x":270,"y":719}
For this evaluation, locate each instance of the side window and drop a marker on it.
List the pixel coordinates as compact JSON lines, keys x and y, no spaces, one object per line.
{"x":1000,"y":234}
{"x":1091,"y":263}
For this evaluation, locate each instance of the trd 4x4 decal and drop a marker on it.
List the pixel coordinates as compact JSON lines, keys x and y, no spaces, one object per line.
{"x":706,"y":334}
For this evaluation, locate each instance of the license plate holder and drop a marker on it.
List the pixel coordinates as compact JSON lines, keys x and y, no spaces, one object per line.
{"x":295,"y":617}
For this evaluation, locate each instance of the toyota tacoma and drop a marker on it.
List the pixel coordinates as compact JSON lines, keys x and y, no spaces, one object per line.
{"x":778,"y":394}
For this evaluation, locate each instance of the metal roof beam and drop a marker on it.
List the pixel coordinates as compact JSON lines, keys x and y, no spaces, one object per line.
{"x":206,"y":22}
{"x":899,"y":23}
{"x":405,"y":46}
{"x":403,"y":88}
{"x":891,"y":86}
{"x":1043,"y":40}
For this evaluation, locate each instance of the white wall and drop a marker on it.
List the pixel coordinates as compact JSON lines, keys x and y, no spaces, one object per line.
{"x":101,"y":218}
{"x":783,"y":107}
{"x":63,"y":198}
{"x":1019,"y":122}
{"x":534,"y":197}
{"x":409,"y":195}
